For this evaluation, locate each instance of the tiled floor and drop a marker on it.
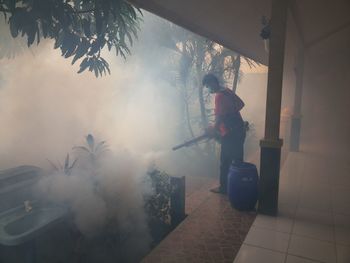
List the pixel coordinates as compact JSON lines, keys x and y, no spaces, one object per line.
{"x":314,"y":216}
{"x":213,"y":232}
{"x":197,"y":191}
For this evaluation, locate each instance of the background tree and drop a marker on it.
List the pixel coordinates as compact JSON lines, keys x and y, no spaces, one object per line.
{"x":193,"y":57}
{"x":79,"y":28}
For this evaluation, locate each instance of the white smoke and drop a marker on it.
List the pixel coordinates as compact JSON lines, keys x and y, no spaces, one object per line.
{"x":109,"y":191}
{"x":46,"y":108}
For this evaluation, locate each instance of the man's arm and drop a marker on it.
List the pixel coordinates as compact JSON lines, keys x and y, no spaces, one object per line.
{"x":239,"y":104}
{"x":219,"y":111}
{"x":218,"y":121}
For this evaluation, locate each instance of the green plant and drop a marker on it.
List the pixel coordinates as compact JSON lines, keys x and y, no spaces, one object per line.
{"x":157,"y":205}
{"x":66,"y":168}
{"x":79,"y":28}
{"x":93,"y":149}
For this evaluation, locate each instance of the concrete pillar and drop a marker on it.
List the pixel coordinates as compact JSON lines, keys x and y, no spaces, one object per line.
{"x":296,"y":118}
{"x":271,"y":144}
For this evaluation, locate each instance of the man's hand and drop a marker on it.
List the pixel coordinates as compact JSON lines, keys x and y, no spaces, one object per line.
{"x":211,"y":131}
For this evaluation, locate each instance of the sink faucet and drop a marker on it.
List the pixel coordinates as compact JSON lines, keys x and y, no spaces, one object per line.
{"x":28,"y":206}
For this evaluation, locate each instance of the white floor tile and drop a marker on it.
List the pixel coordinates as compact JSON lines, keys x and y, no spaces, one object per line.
{"x":313,"y":216}
{"x":318,"y":203}
{"x":321,"y":180}
{"x":342,"y":220}
{"x":269,"y":239}
{"x":312,"y":249}
{"x":286,"y":210}
{"x":311,"y":190}
{"x":314,"y":230}
{"x":295,"y":259}
{"x":279,"y":223}
{"x":342,"y":229}
{"x":342,"y":235}
{"x":341,"y":200}
{"x":316,"y":189}
{"x":292,"y":204}
{"x":341,"y":192}
{"x":288,"y":197}
{"x":251,"y":254}
{"x":343,"y":254}
{"x":311,"y":181}
{"x":340,"y":180}
{"x":292,"y":170}
{"x":317,"y":175}
{"x":341,"y":207}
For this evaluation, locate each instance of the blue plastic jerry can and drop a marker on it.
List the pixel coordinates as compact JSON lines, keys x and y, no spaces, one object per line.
{"x":242,"y":186}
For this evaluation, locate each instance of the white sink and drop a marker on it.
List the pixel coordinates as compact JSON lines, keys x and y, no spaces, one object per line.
{"x":18,"y":226}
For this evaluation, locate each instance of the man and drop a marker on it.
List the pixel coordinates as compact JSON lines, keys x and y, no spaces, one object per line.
{"x":229,"y":125}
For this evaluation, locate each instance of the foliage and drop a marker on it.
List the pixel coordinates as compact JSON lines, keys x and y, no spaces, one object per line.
{"x":79,"y":28}
{"x":114,"y":235}
{"x":66,"y":168}
{"x":266,"y":30}
{"x":9,"y":46}
{"x":93,"y":149}
{"x":251,"y":140}
{"x":157,"y":205}
{"x":193,"y":57}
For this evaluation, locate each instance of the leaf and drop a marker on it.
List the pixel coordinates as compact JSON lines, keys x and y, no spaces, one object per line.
{"x":53,"y":165}
{"x":98,"y":21}
{"x":132,"y":12}
{"x":95,"y":47}
{"x":105,"y":65}
{"x":100,"y":144}
{"x":73,"y":164}
{"x":90,"y":141}
{"x":44,"y":28}
{"x":129,"y":37}
{"x":92,"y":64}
{"x":66,"y":162}
{"x":69,"y":44}
{"x":81,"y":50}
{"x":86,"y":27}
{"x":12,"y":5}
{"x":83,"y":148}
{"x":100,"y":68}
{"x":84,"y":64}
{"x":60,"y":166}
{"x":13,"y":27}
{"x":59,"y":39}
{"x":38,"y":37}
{"x":95,"y":67}
{"x":109,"y":45}
{"x":32,"y":29}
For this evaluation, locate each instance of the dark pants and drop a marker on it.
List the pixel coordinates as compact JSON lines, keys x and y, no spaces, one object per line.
{"x":231,"y":151}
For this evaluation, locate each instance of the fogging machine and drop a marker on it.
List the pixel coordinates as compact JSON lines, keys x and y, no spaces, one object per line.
{"x":204,"y":137}
{"x":192,"y":141}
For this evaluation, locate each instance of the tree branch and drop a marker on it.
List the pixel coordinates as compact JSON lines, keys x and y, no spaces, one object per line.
{"x":74,"y":12}
{"x":5,"y":10}
{"x":83,"y":11}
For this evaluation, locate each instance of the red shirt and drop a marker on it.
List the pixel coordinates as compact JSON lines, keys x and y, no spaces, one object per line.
{"x":227,"y":103}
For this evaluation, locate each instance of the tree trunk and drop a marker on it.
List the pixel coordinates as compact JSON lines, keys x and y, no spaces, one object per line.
{"x":204,"y":117}
{"x":187,"y":113}
{"x":236,"y":69}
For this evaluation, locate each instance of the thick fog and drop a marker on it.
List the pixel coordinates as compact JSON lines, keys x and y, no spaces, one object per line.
{"x":46,"y":109}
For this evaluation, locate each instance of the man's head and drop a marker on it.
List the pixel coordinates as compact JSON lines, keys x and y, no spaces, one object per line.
{"x":211,"y":82}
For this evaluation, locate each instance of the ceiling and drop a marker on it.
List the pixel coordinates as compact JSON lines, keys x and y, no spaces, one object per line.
{"x":236,"y":24}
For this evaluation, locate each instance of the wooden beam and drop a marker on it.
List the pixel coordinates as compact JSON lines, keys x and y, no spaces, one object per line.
{"x":271,"y":144}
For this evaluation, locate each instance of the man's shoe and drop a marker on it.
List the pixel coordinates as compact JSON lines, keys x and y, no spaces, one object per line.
{"x":217,"y":190}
